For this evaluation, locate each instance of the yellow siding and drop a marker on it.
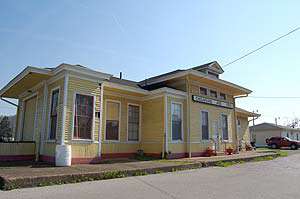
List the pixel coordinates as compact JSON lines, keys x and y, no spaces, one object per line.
{"x":29,"y":119}
{"x":244,"y":133}
{"x":84,"y":150}
{"x":153,"y":125}
{"x":180,"y":147}
{"x":121,"y":146}
{"x":82,"y":87}
{"x":17,"y":149}
{"x":49,"y":149}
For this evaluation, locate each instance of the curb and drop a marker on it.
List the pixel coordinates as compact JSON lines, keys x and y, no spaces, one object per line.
{"x":17,"y":183}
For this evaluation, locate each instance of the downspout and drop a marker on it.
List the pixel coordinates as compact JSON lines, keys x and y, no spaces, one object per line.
{"x":100,"y":121}
{"x":235,"y":124}
{"x":64,"y":111}
{"x":166,"y":127}
{"x":188,"y":116}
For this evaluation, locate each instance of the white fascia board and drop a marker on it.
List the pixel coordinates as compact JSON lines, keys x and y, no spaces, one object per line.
{"x":171,"y":91}
{"x":126,"y":88}
{"x":80,"y":70}
{"x":21,"y":75}
{"x":198,"y":74}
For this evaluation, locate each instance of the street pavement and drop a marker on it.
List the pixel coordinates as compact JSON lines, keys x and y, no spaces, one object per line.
{"x":278,"y":178}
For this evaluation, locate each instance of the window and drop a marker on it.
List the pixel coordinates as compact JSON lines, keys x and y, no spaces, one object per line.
{"x":133,"y":122}
{"x":83,"y":119}
{"x":53,"y":114}
{"x":112,"y":120}
{"x":287,"y":134}
{"x":176,"y":114}
{"x":203,"y":91}
{"x":297,"y":136}
{"x":204,"y":124}
{"x":223,"y":96}
{"x":213,"y":94}
{"x":224,"y":120}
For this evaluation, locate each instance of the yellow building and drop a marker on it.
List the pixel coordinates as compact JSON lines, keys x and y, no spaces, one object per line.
{"x":177,"y":114}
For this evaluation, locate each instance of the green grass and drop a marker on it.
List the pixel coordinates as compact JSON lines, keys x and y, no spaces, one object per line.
{"x":228,"y":163}
{"x":283,"y":153}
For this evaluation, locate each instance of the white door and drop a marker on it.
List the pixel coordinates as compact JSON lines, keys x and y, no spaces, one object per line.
{"x":216,"y":136}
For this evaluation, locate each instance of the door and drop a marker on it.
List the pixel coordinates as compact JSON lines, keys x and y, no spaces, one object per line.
{"x":216,"y":136}
{"x":29,"y":119}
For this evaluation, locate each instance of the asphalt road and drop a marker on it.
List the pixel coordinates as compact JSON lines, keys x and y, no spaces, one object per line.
{"x":272,"y":179}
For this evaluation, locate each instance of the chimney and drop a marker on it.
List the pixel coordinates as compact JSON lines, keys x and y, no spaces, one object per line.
{"x":120,"y":75}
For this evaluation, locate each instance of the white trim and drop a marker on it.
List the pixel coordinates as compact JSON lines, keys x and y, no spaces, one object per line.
{"x":20,"y":118}
{"x":120,"y":110}
{"x":207,"y":90}
{"x":81,"y":70}
{"x":182,"y":136}
{"x":166,"y":125}
{"x":49,"y":113}
{"x":64,"y":108}
{"x":100,"y":121}
{"x":169,"y":91}
{"x":208,"y":123}
{"x":87,"y":78}
{"x":227,"y":140}
{"x":35,"y":117}
{"x":127,"y":88}
{"x":44,"y":116}
{"x":198,"y":74}
{"x":21,"y":75}
{"x":73,"y":117}
{"x":140,"y":122}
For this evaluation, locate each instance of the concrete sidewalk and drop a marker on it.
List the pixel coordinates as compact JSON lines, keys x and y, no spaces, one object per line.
{"x":30,"y":175}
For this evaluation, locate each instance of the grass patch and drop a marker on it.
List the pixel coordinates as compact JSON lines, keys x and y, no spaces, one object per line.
{"x":266,"y":158}
{"x":228,"y":163}
{"x":282,"y":153}
{"x":144,"y":158}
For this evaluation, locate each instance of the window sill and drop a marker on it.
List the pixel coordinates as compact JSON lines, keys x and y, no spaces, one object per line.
{"x":84,"y":141}
{"x":111,"y":141}
{"x":177,"y":142}
{"x":50,"y":141}
{"x":132,"y":142}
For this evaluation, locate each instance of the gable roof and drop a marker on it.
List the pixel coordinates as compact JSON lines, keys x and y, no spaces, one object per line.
{"x":241,"y":111}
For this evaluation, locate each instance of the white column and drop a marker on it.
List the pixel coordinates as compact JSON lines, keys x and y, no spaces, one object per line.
{"x":43,"y":132}
{"x":64,"y":109}
{"x":166,"y":125}
{"x":20,"y":118}
{"x":100,"y":121}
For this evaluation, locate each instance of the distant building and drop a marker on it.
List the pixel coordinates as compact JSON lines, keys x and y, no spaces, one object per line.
{"x":259,"y":133}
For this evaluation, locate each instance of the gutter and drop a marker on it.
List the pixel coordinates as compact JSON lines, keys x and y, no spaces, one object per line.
{"x":9,"y":102}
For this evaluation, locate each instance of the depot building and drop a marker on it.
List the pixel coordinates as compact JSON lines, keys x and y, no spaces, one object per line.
{"x":173,"y":115}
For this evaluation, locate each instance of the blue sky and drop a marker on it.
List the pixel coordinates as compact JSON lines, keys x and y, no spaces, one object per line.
{"x":146,"y":38}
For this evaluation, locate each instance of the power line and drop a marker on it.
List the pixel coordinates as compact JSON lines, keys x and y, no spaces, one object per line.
{"x":257,"y":49}
{"x":274,"y":97}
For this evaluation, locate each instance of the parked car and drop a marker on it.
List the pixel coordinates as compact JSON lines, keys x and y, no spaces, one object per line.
{"x":278,"y":142}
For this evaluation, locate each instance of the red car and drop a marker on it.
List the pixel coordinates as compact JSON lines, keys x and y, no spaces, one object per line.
{"x":278,"y":142}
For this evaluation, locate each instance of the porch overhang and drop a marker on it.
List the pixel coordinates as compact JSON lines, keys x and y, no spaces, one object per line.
{"x":244,"y":113}
{"x":23,"y":82}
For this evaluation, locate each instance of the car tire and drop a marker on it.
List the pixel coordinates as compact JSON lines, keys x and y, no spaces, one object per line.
{"x":294,"y":147}
{"x":274,"y":146}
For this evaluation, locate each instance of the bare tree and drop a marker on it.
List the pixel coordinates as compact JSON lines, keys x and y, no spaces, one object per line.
{"x":294,"y":123}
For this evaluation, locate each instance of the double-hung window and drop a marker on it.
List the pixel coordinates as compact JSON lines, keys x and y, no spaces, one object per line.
{"x":83,"y":119}
{"x":53,"y":114}
{"x":176,"y":121}
{"x":203,"y":91}
{"x":213,"y":93}
{"x":112,"y":121}
{"x":204,"y":124}
{"x":133,"y":122}
{"x":224,"y":121}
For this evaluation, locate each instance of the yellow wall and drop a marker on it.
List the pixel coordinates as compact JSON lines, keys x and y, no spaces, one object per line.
{"x":244,"y":133}
{"x":7,"y":149}
{"x":153,"y":125}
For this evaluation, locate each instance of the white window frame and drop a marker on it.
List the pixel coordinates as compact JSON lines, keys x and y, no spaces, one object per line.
{"x":214,"y":91}
{"x":209,"y":137}
{"x":207,"y":90}
{"x":49,"y":114}
{"x":73,"y":117}
{"x":120,"y":110}
{"x":224,"y":114}
{"x":140,"y":122}
{"x":182,"y":135}
{"x":224,"y":94}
